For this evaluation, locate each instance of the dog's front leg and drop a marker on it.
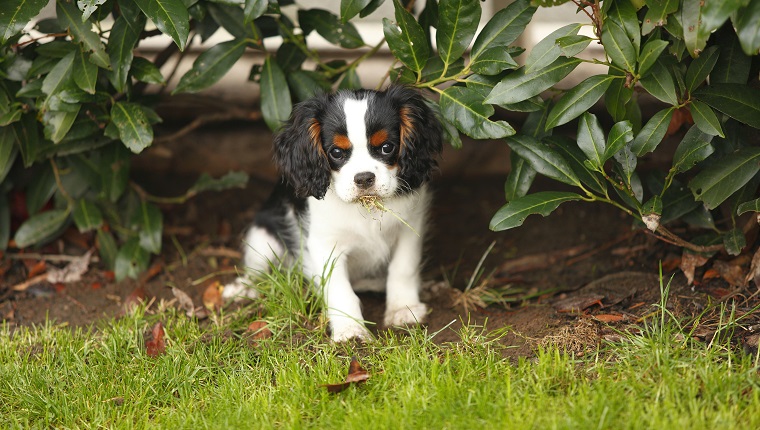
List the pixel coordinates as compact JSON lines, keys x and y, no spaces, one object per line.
{"x":343,"y":305}
{"x":403,"y":304}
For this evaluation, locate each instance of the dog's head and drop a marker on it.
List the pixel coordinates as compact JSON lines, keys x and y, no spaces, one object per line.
{"x":360,"y":143}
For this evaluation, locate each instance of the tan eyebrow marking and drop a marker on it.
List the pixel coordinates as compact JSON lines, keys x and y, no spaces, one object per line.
{"x":407,"y":126}
{"x":341,"y":141}
{"x":315,"y":133}
{"x":378,"y":138}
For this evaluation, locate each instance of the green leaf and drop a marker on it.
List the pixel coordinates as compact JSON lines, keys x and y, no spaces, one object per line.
{"x":81,"y":32}
{"x":740,"y":102}
{"x":650,"y":53}
{"x":373,"y":6}
{"x":535,"y":123}
{"x":504,"y":28}
{"x":350,"y":80}
{"x":254,"y":9}
{"x":150,"y":223}
{"x":518,"y":86}
{"x":747,"y":28}
{"x":591,"y":139}
{"x":579,"y":99}
{"x":58,"y":77}
{"x":85,"y":73}
{"x":121,"y":43}
{"x":41,"y":227}
{"x":465,"y":108}
{"x":715,"y":13}
{"x":170,"y":16}
{"x":28,"y":139}
{"x":305,"y":84}
{"x":627,"y":163}
{"x":114,"y":171}
{"x":58,"y":124}
{"x":571,"y":46}
{"x":145,"y":71}
{"x":492,"y":62}
{"x":701,"y":67}
{"x":618,"y":47}
{"x":547,"y":50}
{"x":705,"y":118}
{"x":678,"y":201}
{"x":733,"y":66}
{"x":653,"y":132}
{"x":694,"y":35}
{"x":8,"y":151}
{"x":406,"y":39}
{"x":569,"y":150}
{"x":657,"y":14}
{"x":331,"y":28}
{"x":694,"y":147}
{"x":87,"y":216}
{"x":15,"y":14}
{"x":107,"y":248}
{"x":88,"y":7}
{"x":659,"y":83}
{"x":210,"y":66}
{"x":616,"y":96}
{"x":720,"y":180}
{"x":350,"y":8}
{"x":275,"y":96}
{"x":40,"y":189}
{"x":624,"y":15}
{"x":290,"y":57}
{"x":513,"y":214}
{"x":226,"y":182}
{"x":435,"y":68}
{"x":131,"y":260}
{"x":5,"y":222}
{"x":520,"y":177}
{"x":230,"y":18}
{"x":457,"y":24}
{"x":750,"y":206}
{"x":133,"y":125}
{"x":543,"y":159}
{"x":620,"y":135}
{"x":734,"y":241}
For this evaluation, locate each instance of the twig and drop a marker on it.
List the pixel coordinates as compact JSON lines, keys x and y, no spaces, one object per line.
{"x":230,"y":115}
{"x":24,"y":43}
{"x":605,"y":246}
{"x":53,"y":258}
{"x":667,"y":236}
{"x":29,"y":282}
{"x":540,"y":260}
{"x":220,"y":252}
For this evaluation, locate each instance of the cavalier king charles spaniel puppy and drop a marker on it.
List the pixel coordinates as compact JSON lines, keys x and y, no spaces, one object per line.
{"x":334,"y":153}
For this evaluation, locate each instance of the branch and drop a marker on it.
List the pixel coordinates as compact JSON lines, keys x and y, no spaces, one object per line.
{"x":668,"y":236}
{"x":211,"y":118}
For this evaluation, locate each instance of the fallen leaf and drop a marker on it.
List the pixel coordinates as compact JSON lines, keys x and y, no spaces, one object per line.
{"x":152,"y":272}
{"x":689,"y":264}
{"x":96,"y":285}
{"x":72,"y":272}
{"x":671,"y":264}
{"x":156,"y":346}
{"x":710,"y":274}
{"x":212,"y":296}
{"x":37,"y":269}
{"x":578,"y":303}
{"x":754,"y":270}
{"x":259,"y":330}
{"x":134,"y":299}
{"x":109,"y":275}
{"x":733,"y":274}
{"x":185,"y":302}
{"x":680,"y":117}
{"x":608,"y":318}
{"x":356,"y":375}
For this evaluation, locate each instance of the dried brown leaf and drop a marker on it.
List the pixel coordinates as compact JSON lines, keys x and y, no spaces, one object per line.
{"x":754,"y":270}
{"x":134,"y":299}
{"x":356,"y":375}
{"x":259,"y":330}
{"x":212,"y":296}
{"x":72,"y":272}
{"x":184,"y":301}
{"x":689,"y":264}
{"x":733,"y":274}
{"x":37,"y":268}
{"x":156,"y":346}
{"x":608,"y":318}
{"x":578,"y":303}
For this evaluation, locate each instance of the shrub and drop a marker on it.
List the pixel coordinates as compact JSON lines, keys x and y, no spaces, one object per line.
{"x":73,"y":105}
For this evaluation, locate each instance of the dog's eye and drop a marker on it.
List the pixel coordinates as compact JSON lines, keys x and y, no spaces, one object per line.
{"x":387,"y":148}
{"x":336,"y":153}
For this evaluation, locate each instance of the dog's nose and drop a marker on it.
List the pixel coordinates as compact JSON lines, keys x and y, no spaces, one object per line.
{"x":364,"y":179}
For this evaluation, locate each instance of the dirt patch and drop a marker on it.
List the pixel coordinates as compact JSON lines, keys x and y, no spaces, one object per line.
{"x":561,"y":264}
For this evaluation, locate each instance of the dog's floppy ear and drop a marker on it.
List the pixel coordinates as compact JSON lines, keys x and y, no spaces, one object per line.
{"x":420,"y":134}
{"x":298,"y":150}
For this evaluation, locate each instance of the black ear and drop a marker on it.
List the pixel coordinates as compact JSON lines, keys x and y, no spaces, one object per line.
{"x":420,"y":133}
{"x":298,"y":150}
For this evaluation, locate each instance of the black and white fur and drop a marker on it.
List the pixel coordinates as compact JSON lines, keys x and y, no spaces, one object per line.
{"x":333,"y":150}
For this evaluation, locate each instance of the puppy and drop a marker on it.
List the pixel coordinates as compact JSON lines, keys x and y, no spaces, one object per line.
{"x":335,"y":151}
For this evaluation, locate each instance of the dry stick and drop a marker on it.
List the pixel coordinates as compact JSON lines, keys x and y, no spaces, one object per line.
{"x":230,"y":115}
{"x":53,"y":257}
{"x":604,"y":247}
{"x":29,"y":282}
{"x":667,"y":236}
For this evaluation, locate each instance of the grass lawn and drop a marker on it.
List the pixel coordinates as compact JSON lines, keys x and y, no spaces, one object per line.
{"x":214,"y":375}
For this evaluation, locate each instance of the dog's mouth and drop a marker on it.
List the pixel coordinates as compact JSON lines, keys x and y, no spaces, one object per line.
{"x":370,"y":201}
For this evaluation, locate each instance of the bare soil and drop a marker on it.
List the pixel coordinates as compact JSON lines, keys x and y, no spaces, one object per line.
{"x":567,"y":278}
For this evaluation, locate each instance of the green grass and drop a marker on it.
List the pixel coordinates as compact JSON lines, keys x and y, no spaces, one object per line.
{"x":212,"y":377}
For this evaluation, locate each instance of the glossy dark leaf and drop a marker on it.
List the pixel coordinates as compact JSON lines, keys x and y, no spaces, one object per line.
{"x":492,"y":62}
{"x":57,"y":124}
{"x":750,"y":206}
{"x":81,"y":31}
{"x":579,"y":99}
{"x":275,"y":96}
{"x":86,"y":215}
{"x":59,"y":77}
{"x":228,"y":181}
{"x":652,"y":133}
{"x":41,"y":227}
{"x":210,"y":66}
{"x":351,"y":8}
{"x":520,"y":178}
{"x":254,"y":9}
{"x":626,"y":160}
{"x":373,"y":6}
{"x":740,"y":102}
{"x":465,"y":108}
{"x":305,"y":84}
{"x":331,"y":28}
{"x":618,"y":47}
{"x":121,"y":43}
{"x":650,"y":53}
{"x":170,"y":16}
{"x":543,"y":159}
{"x":107,"y":248}
{"x":547,"y":50}
{"x":149,"y":222}
{"x":406,"y":39}
{"x":15,"y":14}
{"x":591,"y":139}
{"x":5,"y":222}
{"x":350,"y":80}
{"x":732,"y":66}
{"x":734,"y":241}
{"x":8,"y":151}
{"x":535,"y":123}
{"x":504,"y":27}
{"x":620,"y":135}
{"x":715,"y":13}
{"x":230,"y":18}
{"x":720,"y":180}
{"x":518,"y":86}
{"x":705,"y":118}
{"x":694,"y":147}
{"x":747,"y":29}
{"x":114,"y":171}
{"x":28,"y":138}
{"x":513,"y":214}
{"x":571,"y":46}
{"x":659,"y":83}
{"x":85,"y":73}
{"x":616,"y":96}
{"x":701,"y":67}
{"x":657,"y":14}
{"x":40,"y":189}
{"x":146,"y":71}
{"x":694,"y":35}
{"x":623,"y":13}
{"x":131,"y":260}
{"x":457,"y":24}
{"x":134,"y":127}
{"x":569,"y":150}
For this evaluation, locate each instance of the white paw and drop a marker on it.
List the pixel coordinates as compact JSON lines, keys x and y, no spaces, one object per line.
{"x":406,"y":315}
{"x":239,"y":289}
{"x":347,"y":330}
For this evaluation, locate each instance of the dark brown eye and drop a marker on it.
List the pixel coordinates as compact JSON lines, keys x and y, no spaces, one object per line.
{"x":387,"y":148}
{"x":336,"y":153}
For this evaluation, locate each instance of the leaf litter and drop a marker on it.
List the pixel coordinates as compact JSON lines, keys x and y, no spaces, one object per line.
{"x":356,"y":375}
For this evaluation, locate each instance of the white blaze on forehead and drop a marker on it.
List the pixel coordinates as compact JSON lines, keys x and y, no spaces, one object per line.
{"x":355,"y":126}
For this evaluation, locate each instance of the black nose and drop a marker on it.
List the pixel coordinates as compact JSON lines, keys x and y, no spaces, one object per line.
{"x":364,"y":179}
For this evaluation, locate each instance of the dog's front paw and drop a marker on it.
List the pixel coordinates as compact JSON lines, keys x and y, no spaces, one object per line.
{"x":343,"y":331}
{"x":405,"y":315}
{"x":239,"y":289}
